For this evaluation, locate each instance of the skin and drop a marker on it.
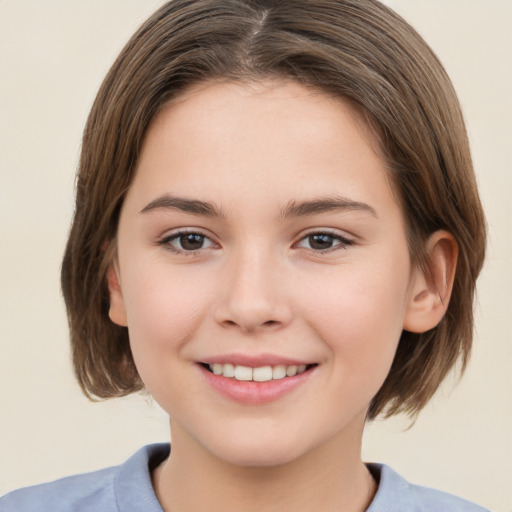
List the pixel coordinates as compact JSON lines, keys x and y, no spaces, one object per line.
{"x":257,"y":282}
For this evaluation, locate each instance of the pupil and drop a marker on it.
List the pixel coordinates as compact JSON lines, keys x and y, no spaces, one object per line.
{"x":320,"y":241}
{"x":191,"y":241}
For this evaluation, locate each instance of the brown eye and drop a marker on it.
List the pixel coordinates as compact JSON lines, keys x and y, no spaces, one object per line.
{"x":186,"y":242}
{"x":323,"y":242}
{"x":191,"y":241}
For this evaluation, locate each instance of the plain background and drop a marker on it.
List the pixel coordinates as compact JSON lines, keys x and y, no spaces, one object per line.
{"x":53,"y":56}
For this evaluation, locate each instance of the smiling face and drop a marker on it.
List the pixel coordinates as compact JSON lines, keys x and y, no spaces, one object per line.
{"x":260,"y":235}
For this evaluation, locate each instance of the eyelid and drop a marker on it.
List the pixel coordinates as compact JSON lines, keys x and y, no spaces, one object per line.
{"x":165,"y":240}
{"x":343,"y":239}
{"x":168,"y":237}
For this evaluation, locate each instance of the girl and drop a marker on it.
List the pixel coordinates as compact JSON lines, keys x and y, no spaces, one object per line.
{"x":277,"y":234}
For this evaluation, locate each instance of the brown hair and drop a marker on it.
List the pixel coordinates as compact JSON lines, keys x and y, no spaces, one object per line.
{"x":355,"y":49}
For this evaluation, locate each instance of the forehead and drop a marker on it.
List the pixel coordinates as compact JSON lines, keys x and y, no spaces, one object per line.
{"x":246,"y":106}
{"x":277,"y":137}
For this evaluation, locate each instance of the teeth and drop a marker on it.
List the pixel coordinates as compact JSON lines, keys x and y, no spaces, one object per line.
{"x":291,"y":371}
{"x":217,"y":369}
{"x":243,"y":373}
{"x":260,"y":374}
{"x":228,"y":370}
{"x":279,"y":372}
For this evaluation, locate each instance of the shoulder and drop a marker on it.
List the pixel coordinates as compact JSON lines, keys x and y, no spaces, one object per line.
{"x":90,"y":491}
{"x":395,"y":494}
{"x":114,"y":489}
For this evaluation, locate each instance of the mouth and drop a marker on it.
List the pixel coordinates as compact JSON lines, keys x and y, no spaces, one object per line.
{"x":256,"y":374}
{"x":255,"y":379}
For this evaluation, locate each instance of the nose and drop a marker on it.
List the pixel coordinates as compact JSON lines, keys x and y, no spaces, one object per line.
{"x":252,"y":295}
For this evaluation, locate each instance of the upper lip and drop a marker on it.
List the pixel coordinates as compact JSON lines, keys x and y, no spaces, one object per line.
{"x":254,"y":360}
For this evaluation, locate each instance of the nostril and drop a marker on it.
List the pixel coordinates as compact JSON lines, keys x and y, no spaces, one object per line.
{"x":252,"y":327}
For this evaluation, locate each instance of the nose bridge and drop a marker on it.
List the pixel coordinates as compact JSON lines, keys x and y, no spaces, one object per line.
{"x":253,"y":294}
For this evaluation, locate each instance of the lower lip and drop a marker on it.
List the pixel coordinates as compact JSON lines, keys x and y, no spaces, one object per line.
{"x":255,"y":393}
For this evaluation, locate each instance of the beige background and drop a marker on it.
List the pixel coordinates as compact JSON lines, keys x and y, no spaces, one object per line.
{"x":53,"y":55}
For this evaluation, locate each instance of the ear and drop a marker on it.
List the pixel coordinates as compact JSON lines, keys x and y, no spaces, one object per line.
{"x":117,"y":312}
{"x":431,"y":288}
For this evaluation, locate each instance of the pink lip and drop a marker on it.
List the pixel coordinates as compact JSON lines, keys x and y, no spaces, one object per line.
{"x":254,"y":361}
{"x":254,"y":393}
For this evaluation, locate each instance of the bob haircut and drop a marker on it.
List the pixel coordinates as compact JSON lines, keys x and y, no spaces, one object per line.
{"x":357,"y":50}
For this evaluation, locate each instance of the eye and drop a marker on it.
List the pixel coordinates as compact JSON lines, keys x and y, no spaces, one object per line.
{"x":324,"y":242}
{"x":186,"y":241}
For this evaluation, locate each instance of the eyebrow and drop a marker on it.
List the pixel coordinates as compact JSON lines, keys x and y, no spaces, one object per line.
{"x":324,"y":205}
{"x":292,"y":209}
{"x":182,"y":204}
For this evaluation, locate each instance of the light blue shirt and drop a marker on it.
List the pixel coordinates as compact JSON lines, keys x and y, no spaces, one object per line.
{"x":127,"y":488}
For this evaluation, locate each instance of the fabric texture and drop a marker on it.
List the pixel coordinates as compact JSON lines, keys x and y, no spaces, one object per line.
{"x":127,"y":488}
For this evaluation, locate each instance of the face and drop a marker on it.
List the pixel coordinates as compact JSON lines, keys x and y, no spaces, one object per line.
{"x":261,"y":239}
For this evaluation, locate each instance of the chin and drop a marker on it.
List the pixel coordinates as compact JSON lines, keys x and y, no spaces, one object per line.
{"x":253,"y":451}
{"x":258,"y":458}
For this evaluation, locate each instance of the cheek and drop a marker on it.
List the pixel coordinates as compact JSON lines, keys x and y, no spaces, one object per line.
{"x":359,"y":316}
{"x":164,"y":309}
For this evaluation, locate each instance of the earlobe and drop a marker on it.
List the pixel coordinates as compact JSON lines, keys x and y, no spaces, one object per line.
{"x":116,"y":311}
{"x":431,"y":288}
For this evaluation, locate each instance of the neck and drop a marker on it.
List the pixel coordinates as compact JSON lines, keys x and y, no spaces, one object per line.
{"x":328,"y":478}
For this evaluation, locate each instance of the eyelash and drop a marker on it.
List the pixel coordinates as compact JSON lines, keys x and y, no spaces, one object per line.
{"x":343,"y":241}
{"x":166,"y":242}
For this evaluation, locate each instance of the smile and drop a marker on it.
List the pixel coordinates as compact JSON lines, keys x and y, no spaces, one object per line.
{"x":259,"y":374}
{"x":247,"y":383}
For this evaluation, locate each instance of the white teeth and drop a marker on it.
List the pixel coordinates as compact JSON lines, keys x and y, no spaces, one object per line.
{"x":291,"y":371}
{"x":279,"y":372}
{"x":216,"y":368}
{"x":229,"y":370}
{"x":260,"y":374}
{"x":243,"y":373}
